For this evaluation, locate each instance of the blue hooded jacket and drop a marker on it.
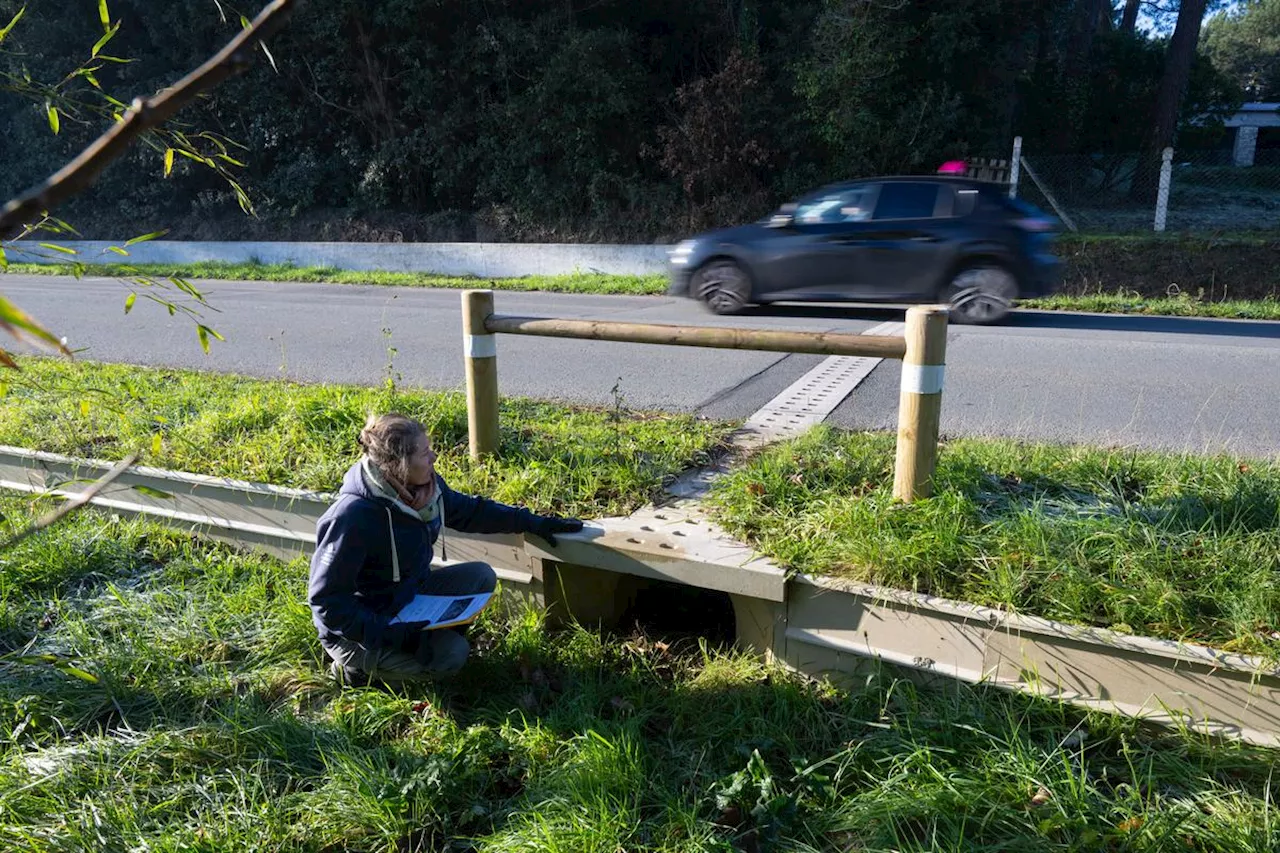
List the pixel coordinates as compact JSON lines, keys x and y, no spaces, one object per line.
{"x":352,"y":591}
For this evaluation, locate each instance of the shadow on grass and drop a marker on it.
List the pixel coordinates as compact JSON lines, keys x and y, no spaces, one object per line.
{"x":665,"y":731}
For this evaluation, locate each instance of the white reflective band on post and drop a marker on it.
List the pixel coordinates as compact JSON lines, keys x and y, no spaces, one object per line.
{"x":922,"y":378}
{"x":482,"y":346}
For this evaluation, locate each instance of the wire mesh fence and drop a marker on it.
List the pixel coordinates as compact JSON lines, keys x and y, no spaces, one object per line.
{"x":1209,"y":192}
{"x":1120,"y":193}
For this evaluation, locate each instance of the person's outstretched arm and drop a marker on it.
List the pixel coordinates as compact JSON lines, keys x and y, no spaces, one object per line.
{"x":472,"y":514}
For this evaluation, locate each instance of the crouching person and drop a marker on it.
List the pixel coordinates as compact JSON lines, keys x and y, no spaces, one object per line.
{"x":373,"y":554}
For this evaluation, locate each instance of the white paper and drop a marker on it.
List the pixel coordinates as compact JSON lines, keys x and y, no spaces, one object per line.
{"x":441,"y":611}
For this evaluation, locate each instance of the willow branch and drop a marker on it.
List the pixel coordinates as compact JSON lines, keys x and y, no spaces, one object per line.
{"x":75,"y":502}
{"x":143,"y":115}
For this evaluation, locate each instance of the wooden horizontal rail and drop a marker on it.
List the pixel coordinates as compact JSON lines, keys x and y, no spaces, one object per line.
{"x":815,"y":343}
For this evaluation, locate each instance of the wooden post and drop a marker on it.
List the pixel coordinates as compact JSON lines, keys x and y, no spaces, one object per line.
{"x":480,"y":356}
{"x":920,"y":402}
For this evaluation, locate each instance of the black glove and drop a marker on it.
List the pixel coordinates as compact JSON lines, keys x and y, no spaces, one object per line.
{"x":547,"y":526}
{"x":396,"y":636}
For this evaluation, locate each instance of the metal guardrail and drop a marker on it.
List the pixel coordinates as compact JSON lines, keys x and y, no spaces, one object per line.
{"x":834,"y":626}
{"x":819,"y":626}
{"x":282,"y":521}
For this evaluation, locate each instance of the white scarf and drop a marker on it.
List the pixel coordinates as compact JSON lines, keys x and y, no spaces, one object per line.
{"x":377,"y":483}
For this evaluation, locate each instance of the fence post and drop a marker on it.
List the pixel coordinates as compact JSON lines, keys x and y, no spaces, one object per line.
{"x":920,"y":402}
{"x":1014,"y":167}
{"x":480,"y":356}
{"x":1166,"y":178}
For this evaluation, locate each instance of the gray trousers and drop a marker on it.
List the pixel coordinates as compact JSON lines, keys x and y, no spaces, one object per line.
{"x":449,"y":646}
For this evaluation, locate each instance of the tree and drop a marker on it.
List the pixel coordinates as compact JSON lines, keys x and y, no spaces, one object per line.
{"x":1244,"y":43}
{"x":1168,"y":104}
{"x":1129,"y":19}
{"x":146,"y":119}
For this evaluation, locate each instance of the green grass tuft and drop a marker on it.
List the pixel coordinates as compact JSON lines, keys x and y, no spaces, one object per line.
{"x":601,"y":283}
{"x":206,"y":723}
{"x":1178,"y":547}
{"x":1170,"y":306}
{"x":586,"y":462}
{"x":1122,"y":302}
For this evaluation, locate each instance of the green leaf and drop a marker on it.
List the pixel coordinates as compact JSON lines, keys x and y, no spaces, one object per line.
{"x":203,"y":332}
{"x":63,"y":227}
{"x":168,"y":161}
{"x":56,"y":248}
{"x":186,"y":287}
{"x":84,"y":408}
{"x":117,"y":250}
{"x":12,"y":23}
{"x":103,"y":14}
{"x":4,"y":259}
{"x":128,"y":302}
{"x":53,"y":118}
{"x":79,"y":673}
{"x":153,"y":235}
{"x":147,"y":490}
{"x":193,"y":156}
{"x":56,"y":662}
{"x":14,"y":318}
{"x":102,"y":42}
{"x":157,"y":444}
{"x":233,"y":161}
{"x":242,"y":197}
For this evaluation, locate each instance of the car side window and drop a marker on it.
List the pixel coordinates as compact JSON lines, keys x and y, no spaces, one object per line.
{"x":845,"y":206}
{"x":907,"y":201}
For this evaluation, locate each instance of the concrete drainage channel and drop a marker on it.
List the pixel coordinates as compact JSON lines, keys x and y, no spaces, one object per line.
{"x":818,"y":626}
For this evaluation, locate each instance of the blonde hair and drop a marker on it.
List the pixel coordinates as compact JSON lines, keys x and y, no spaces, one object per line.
{"x":389,"y":440}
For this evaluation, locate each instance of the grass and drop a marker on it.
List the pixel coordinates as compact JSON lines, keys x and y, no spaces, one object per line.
{"x":595,"y":283}
{"x":1179,"y":547}
{"x":201,"y":720}
{"x":552,"y":458}
{"x":633,"y":285}
{"x":1170,"y":306}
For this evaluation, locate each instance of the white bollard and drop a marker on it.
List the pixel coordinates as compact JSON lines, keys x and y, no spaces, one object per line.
{"x":1166,"y":179}
{"x":1015,"y":167}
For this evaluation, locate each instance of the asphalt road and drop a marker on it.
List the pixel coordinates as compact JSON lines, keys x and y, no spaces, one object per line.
{"x":1188,"y":384}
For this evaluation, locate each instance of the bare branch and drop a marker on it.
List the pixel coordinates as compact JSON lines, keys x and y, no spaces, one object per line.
{"x":143,"y":115}
{"x":76,"y":502}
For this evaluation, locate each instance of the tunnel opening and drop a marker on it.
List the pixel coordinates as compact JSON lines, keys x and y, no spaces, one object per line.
{"x":672,"y":612}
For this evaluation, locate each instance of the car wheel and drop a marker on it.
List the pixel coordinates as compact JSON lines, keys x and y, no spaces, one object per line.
{"x":983,"y":294}
{"x":723,"y":287}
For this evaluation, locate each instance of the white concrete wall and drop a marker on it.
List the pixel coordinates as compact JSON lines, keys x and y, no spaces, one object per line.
{"x":484,"y":260}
